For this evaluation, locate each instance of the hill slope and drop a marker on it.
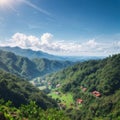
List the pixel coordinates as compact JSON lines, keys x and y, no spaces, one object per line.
{"x":48,"y":66}
{"x":25,"y":67}
{"x":83,"y":79}
{"x":103,"y":74}
{"x":20,"y":92}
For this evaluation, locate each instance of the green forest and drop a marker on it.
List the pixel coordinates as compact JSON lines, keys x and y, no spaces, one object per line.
{"x":81,"y":80}
{"x":19,"y":100}
{"x":87,"y":90}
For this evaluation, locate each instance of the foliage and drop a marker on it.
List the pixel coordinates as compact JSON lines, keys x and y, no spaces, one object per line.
{"x":46,"y":66}
{"x":101,"y":75}
{"x":20,"y":91}
{"x":30,"y":112}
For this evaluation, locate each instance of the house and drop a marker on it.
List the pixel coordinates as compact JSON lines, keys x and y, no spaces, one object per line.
{"x":79,"y":101}
{"x":96,"y":93}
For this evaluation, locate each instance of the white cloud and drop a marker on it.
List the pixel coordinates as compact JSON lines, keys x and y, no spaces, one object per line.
{"x":23,"y":40}
{"x":46,"y":37}
{"x":92,"y":43}
{"x":47,"y":43}
{"x":118,"y":43}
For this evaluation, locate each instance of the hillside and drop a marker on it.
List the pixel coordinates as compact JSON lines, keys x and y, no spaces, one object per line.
{"x":27,"y":68}
{"x":20,"y":92}
{"x":95,"y":84}
{"x":48,"y":66}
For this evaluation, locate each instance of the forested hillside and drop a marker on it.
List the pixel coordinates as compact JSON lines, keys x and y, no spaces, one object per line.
{"x":20,"y":91}
{"x":19,"y":100}
{"x":47,"y":66}
{"x":85,"y":91}
{"x":24,"y":67}
{"x":95,"y":84}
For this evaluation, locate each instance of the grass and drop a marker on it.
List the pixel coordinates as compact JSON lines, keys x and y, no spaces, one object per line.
{"x":65,"y":98}
{"x":68,"y":98}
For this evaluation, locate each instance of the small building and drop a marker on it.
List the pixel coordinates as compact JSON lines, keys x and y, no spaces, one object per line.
{"x":79,"y":101}
{"x":96,"y":93}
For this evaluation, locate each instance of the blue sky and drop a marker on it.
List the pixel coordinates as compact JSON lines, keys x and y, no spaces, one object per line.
{"x":62,"y":27}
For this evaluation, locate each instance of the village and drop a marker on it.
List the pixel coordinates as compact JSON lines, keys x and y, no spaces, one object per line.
{"x":65,"y":101}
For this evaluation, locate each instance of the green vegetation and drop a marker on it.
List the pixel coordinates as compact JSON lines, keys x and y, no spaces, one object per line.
{"x":29,"y":69}
{"x":66,"y":99}
{"x":74,"y":89}
{"x":46,"y":66}
{"x":95,"y":75}
{"x":20,"y":91}
{"x":29,"y":112}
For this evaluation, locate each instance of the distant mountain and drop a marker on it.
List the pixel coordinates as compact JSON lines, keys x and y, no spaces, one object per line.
{"x":39,"y":54}
{"x":97,"y":83}
{"x":27,"y":68}
{"x":30,"y":53}
{"x":20,"y":92}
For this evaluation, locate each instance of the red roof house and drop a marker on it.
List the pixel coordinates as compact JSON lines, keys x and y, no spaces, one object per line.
{"x":96,"y":93}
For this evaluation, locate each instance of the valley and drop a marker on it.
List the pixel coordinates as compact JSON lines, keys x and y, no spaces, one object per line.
{"x":86,"y":86}
{"x":83,"y":90}
{"x":59,"y":59}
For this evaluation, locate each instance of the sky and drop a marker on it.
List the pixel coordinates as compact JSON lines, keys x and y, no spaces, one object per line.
{"x":62,"y":27}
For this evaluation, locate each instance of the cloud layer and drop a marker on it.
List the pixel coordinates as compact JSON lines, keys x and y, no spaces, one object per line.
{"x":47,"y":43}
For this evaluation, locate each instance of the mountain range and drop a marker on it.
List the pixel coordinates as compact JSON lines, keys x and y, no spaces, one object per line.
{"x":27,"y":68}
{"x":29,"y":53}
